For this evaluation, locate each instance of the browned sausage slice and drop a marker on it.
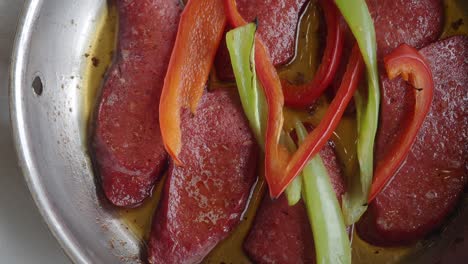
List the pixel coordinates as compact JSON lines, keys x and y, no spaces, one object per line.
{"x":427,"y":186}
{"x":127,"y":141}
{"x":416,"y":23}
{"x":203,"y":200}
{"x":277,"y":26}
{"x":282,"y":233}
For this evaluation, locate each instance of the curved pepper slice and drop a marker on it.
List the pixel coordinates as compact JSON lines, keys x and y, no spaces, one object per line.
{"x":276,"y":155}
{"x":301,"y":96}
{"x":280,"y":166}
{"x":413,"y":68}
{"x":200,"y":31}
{"x":315,"y":140}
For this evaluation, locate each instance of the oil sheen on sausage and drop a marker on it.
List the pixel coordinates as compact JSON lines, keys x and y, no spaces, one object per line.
{"x":429,"y":183}
{"x":127,"y":140}
{"x":203,"y":199}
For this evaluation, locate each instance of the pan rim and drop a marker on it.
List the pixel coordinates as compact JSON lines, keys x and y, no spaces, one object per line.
{"x":25,"y":157}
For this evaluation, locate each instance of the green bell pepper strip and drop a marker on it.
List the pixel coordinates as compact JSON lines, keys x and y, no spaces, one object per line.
{"x":331,"y":240}
{"x":332,"y":243}
{"x":354,"y":202}
{"x":240,"y":43}
{"x":360,"y":22}
{"x":293,"y":191}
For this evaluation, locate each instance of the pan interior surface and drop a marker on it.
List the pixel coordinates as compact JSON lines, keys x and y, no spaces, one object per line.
{"x":49,"y":116}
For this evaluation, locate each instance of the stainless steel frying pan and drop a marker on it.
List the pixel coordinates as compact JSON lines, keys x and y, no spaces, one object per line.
{"x":53,"y":36}
{"x":49,"y":128}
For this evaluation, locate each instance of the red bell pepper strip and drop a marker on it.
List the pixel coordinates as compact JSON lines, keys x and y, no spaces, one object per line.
{"x":300,"y":96}
{"x":233,"y":16}
{"x":276,"y":155}
{"x":315,"y":140}
{"x":413,"y":68}
{"x":280,"y":166}
{"x":199,"y":34}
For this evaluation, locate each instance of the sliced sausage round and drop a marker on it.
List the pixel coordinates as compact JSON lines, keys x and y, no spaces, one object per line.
{"x":127,"y":140}
{"x":431,"y":180}
{"x":416,"y":23}
{"x":282,"y":233}
{"x":277,"y":26}
{"x":203,"y":199}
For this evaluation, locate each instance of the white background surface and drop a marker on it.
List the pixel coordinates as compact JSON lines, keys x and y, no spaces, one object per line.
{"x":24,"y":237}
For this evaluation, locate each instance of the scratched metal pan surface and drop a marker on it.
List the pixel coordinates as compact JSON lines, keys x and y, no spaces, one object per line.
{"x":50,"y":137}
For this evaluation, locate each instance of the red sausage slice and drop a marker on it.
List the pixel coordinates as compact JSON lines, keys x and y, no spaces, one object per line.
{"x":429,"y":183}
{"x":127,"y":140}
{"x":416,"y":23}
{"x":282,"y":233}
{"x":277,"y":26}
{"x":203,"y":200}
